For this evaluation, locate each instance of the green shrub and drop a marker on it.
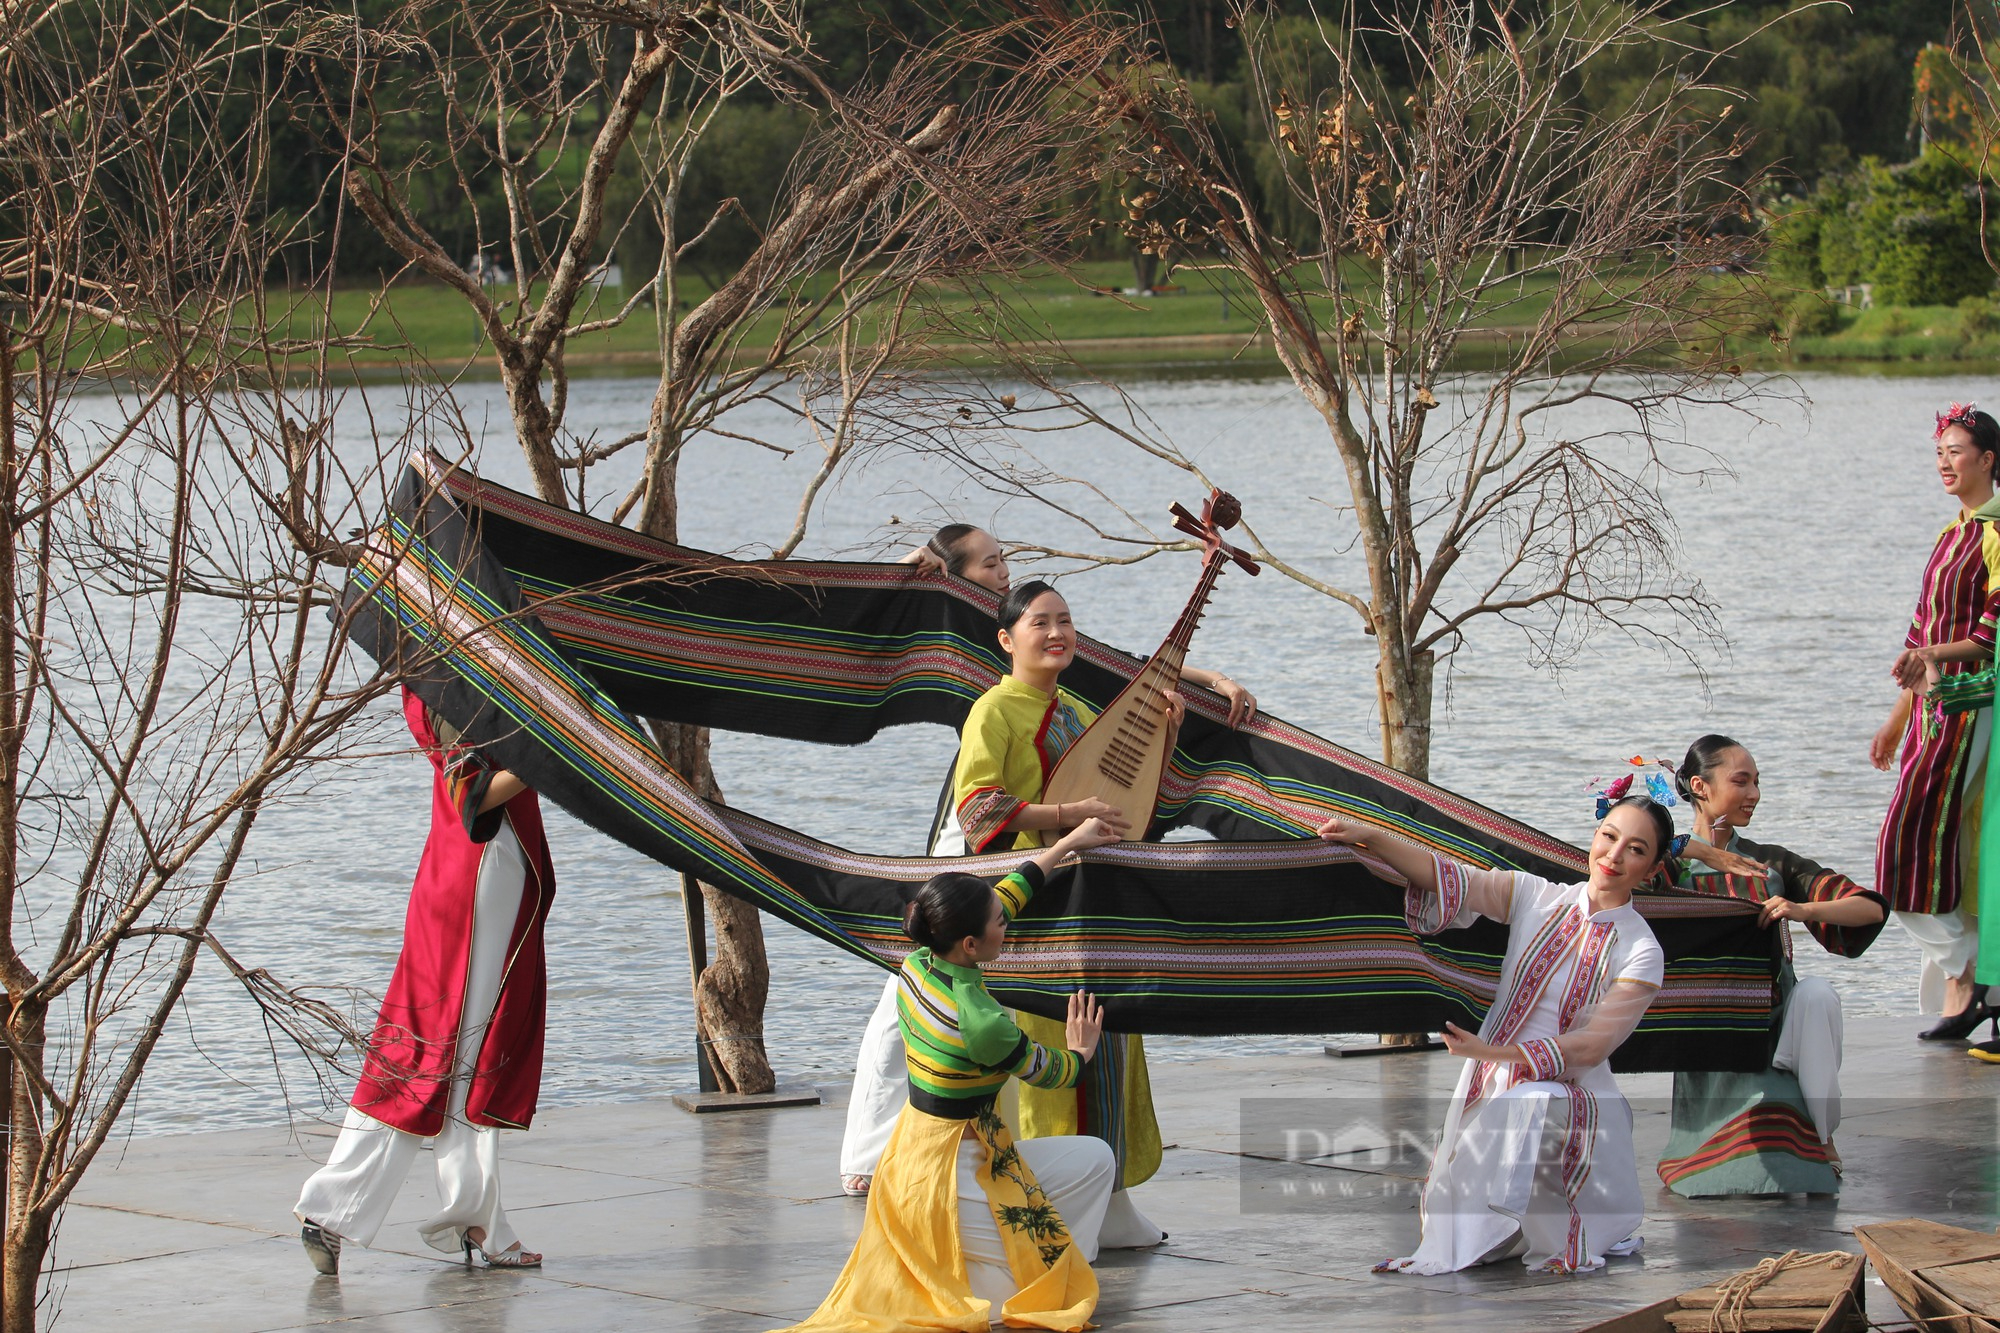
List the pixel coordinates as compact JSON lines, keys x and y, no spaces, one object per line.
{"x":1809,"y":315}
{"x":1920,"y":229}
{"x":1978,"y":315}
{"x":1794,"y":228}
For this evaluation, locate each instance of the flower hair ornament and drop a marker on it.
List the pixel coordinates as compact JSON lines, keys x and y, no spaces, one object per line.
{"x":1958,"y":414}
{"x":1655,"y":781}
{"x":1655,"y":777}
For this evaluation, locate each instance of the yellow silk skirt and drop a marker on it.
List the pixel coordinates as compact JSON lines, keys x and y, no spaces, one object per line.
{"x":907,"y":1271}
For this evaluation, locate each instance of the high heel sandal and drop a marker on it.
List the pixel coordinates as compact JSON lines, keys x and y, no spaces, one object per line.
{"x":511,"y":1257}
{"x":1958,"y":1026}
{"x":322,"y":1247}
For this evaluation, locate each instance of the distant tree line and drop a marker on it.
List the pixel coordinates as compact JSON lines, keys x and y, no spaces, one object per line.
{"x":1828,"y":96}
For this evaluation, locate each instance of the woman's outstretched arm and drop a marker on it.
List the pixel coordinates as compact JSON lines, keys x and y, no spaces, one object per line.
{"x":1410,"y":861}
{"x":1450,"y":885}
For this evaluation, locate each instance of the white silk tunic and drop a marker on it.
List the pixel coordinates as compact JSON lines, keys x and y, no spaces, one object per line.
{"x":1536,"y":1160}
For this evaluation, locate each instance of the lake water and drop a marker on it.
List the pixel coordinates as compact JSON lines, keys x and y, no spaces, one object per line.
{"x":1812,"y":550}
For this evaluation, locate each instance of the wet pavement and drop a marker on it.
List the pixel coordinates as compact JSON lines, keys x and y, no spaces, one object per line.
{"x":1285,"y":1179}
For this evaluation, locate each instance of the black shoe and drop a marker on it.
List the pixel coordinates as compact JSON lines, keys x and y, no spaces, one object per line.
{"x":1989,"y":1051}
{"x":322,"y":1247}
{"x":1956,"y":1027}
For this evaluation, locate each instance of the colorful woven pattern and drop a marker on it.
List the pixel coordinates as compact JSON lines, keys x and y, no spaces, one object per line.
{"x":545,"y":634}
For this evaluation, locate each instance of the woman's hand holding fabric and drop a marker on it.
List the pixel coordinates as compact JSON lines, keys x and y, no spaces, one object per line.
{"x":1242,"y":703}
{"x":1085,"y":1024}
{"x":1781,"y":909}
{"x":1090,"y":833}
{"x":1717,"y":858}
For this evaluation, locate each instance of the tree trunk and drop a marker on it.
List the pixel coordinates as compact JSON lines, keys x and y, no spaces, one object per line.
{"x":27,"y":1233}
{"x":1145,"y":269}
{"x":730,"y":993}
{"x":1405,"y":699}
{"x":8,"y":1280}
{"x":1405,"y":702}
{"x":534,"y":428}
{"x":20,"y":1275}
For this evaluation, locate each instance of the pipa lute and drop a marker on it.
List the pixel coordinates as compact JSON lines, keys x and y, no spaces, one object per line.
{"x":1121,"y":757}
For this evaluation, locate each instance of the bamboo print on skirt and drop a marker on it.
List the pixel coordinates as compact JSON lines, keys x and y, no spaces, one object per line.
{"x":909,"y":1269}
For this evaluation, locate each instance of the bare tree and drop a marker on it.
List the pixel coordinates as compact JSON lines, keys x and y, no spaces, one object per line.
{"x":958,"y":158}
{"x":167,"y":507}
{"x":1453,"y":179}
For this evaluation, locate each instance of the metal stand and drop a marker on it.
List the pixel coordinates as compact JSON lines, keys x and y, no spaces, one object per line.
{"x":710,"y":1096}
{"x":1429,"y":1043}
{"x":695,"y":912}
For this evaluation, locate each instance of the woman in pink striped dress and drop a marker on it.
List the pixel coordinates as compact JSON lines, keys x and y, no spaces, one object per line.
{"x":1924,"y":859}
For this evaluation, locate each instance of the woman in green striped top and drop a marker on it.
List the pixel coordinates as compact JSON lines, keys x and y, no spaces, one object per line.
{"x":1020,"y":1227}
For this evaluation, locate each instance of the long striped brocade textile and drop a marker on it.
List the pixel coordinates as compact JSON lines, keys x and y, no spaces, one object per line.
{"x":545,"y":635}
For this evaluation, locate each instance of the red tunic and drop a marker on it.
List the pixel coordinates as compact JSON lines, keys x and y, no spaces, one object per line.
{"x":407,"y":1079}
{"x":1916,"y":856}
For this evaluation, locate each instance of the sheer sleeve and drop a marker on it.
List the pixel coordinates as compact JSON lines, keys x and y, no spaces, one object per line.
{"x":1599,"y":1030}
{"x":1463,"y":893}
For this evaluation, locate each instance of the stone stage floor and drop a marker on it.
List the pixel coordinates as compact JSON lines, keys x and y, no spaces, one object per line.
{"x":732,"y":1223}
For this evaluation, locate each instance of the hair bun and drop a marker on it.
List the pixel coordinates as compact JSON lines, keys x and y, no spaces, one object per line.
{"x":913,"y":922}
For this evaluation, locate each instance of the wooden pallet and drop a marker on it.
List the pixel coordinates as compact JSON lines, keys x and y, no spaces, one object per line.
{"x":1822,"y":1299}
{"x":1946,"y":1276}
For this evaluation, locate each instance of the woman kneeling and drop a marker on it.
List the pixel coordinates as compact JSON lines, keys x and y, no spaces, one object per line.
{"x":1536,"y":1156}
{"x":964,"y":1226}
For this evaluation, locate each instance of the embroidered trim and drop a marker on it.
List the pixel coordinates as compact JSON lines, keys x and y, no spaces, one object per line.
{"x":1429,"y":913}
{"x":1577,"y":1148}
{"x":984,"y":814}
{"x":1545,"y":1058}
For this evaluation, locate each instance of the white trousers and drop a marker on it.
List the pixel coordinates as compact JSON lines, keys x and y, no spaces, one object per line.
{"x":1949,"y":942}
{"x":1075,"y":1173}
{"x":1511,"y":1185}
{"x":1809,"y":1049}
{"x":881,"y":1087}
{"x":350,"y":1196}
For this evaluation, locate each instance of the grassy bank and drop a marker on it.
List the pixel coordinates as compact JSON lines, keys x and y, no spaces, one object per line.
{"x":1967,"y":332}
{"x":1198,"y":317}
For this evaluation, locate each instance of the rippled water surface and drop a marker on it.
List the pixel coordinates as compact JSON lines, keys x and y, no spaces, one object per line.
{"x":1812,"y":550}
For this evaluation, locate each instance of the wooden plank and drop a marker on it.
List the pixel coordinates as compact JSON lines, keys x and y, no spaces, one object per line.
{"x":1899,"y":1249}
{"x":1782,"y":1320}
{"x":1915,"y":1243}
{"x":1974,"y":1286}
{"x":1651,"y":1319}
{"x":1847,"y":1312}
{"x":1818,"y":1287}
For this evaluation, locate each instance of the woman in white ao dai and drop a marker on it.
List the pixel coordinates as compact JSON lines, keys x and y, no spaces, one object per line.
{"x":1536,"y":1156}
